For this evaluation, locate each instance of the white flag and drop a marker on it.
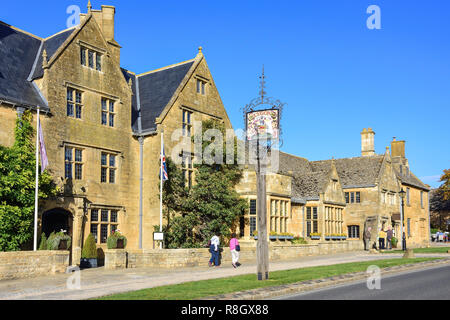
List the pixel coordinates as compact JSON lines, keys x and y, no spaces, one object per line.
{"x":42,"y":151}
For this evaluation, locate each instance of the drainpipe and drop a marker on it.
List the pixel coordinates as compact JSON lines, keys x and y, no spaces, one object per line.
{"x":141,"y":185}
{"x":141,"y":161}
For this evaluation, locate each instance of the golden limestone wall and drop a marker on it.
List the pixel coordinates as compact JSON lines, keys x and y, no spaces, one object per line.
{"x":7,"y":124}
{"x":418,"y":214}
{"x":24,"y":264}
{"x":203,"y":107}
{"x":89,"y":135}
{"x":176,"y":258}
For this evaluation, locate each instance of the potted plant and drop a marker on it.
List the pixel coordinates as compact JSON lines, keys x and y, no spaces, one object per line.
{"x":59,"y":241}
{"x":43,"y":243}
{"x":273,"y":235}
{"x":328,"y":237}
{"x":315,"y":236}
{"x":394,"y":242}
{"x":116,"y":240}
{"x":286,"y":236}
{"x":89,"y":253}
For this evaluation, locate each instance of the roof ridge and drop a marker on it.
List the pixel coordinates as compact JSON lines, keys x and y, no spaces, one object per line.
{"x":293,"y":155}
{"x":165,"y":68}
{"x":62,"y":31}
{"x":360,"y":157}
{"x":20,"y":30}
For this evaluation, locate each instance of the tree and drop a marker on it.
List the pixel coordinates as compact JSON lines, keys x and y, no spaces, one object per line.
{"x":445,"y":187}
{"x":17,"y":184}
{"x":440,"y":203}
{"x":211,"y":205}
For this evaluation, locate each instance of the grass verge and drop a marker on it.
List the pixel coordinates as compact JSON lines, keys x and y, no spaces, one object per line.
{"x":205,"y":288}
{"x":423,"y":250}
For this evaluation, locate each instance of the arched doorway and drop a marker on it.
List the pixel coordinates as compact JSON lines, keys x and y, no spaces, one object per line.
{"x":56,"y":220}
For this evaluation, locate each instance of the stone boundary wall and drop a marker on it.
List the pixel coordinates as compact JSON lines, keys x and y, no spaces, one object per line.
{"x":25,"y":264}
{"x":173,"y":258}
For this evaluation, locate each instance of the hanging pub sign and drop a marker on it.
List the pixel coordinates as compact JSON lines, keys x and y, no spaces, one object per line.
{"x":263,"y":124}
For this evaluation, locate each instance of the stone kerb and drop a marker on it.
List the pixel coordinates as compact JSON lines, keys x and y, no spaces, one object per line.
{"x":24,"y":264}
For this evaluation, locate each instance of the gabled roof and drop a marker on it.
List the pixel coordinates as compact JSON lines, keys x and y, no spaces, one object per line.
{"x":310,"y":177}
{"x":18,"y":51}
{"x":153,"y":91}
{"x":50,"y":45}
{"x":358,"y":171}
{"x":410,"y":179}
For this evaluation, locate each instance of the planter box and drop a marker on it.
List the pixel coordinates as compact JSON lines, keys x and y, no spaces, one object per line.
{"x":285,"y":237}
{"x":315,"y":237}
{"x":62,"y":245}
{"x":88,"y":263}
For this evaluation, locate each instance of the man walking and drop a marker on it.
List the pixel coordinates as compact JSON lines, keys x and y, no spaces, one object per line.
{"x":214,"y":248}
{"x":389,"y":235}
{"x":381,"y":236}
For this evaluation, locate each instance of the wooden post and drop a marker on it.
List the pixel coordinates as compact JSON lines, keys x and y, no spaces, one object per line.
{"x":262,"y":247}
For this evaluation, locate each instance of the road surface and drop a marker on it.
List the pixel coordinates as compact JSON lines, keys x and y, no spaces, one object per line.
{"x":428,"y":284}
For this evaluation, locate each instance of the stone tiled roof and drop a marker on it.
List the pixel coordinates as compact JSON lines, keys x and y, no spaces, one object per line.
{"x":356,"y":171}
{"x":310,"y":177}
{"x":410,"y":179}
{"x":18,"y":52}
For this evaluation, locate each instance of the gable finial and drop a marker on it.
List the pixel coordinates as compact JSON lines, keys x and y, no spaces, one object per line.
{"x":263,"y":85}
{"x":200,"y":50}
{"x":44,"y":59}
{"x":89,"y":6}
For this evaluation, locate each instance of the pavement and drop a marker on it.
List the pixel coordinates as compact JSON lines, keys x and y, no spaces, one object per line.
{"x":92,"y":283}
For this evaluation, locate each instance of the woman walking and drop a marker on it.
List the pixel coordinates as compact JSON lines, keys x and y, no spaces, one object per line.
{"x":234,"y":248}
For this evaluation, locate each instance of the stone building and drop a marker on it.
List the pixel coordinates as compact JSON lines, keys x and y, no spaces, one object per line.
{"x":102,"y":124}
{"x":339,"y":198}
{"x":102,"y":127}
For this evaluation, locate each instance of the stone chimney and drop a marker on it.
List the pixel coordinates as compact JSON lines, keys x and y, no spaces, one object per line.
{"x":367,"y":142}
{"x":398,"y":148}
{"x":108,"y":13}
{"x":105,"y":20}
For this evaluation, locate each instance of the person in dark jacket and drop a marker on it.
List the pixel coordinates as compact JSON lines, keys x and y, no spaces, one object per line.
{"x":389,"y":235}
{"x":367,"y":235}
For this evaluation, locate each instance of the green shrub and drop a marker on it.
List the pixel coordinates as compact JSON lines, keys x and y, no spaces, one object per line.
{"x":90,"y":248}
{"x":111,"y":242}
{"x":43,"y":243}
{"x":394,"y":242}
{"x":55,"y":238}
{"x":299,"y":240}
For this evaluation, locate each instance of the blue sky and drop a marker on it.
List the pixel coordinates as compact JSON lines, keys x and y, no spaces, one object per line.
{"x":336,"y":76}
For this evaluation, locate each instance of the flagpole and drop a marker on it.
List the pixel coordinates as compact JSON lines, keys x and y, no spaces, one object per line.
{"x":161,"y":185}
{"x":36,"y":192}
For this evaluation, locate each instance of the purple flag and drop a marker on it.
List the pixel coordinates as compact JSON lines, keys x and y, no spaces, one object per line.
{"x":42,"y":151}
